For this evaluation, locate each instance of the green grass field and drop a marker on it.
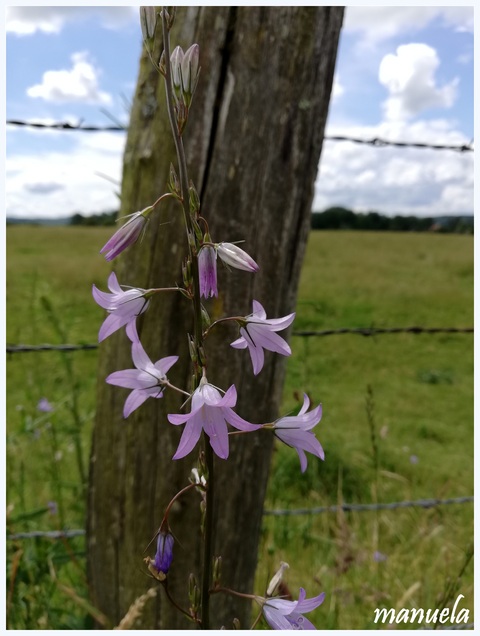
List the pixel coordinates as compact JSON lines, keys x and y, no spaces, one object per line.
{"x":397,"y":425}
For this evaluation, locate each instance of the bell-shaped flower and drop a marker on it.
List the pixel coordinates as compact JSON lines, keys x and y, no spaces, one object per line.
{"x":294,"y":430}
{"x":282,"y":614}
{"x":207,"y":271}
{"x":123,"y":306}
{"x":126,"y":235}
{"x":146,"y":380}
{"x":164,"y":554}
{"x":210,"y":412}
{"x":257,"y":333}
{"x":233,"y":255}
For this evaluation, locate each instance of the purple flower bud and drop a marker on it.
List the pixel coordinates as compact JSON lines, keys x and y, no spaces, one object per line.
{"x":232,"y":255}
{"x":207,"y":271}
{"x":126,"y":235}
{"x":378,"y":557}
{"x":164,"y":554}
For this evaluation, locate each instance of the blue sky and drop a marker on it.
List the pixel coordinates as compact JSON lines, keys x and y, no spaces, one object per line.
{"x":403,"y":73}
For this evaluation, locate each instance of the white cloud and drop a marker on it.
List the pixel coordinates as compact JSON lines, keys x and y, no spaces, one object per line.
{"x":397,"y":180}
{"x":59,"y":183}
{"x":337,"y":89}
{"x":79,"y":84}
{"x":409,"y":76}
{"x":50,"y":20}
{"x":376,"y":24}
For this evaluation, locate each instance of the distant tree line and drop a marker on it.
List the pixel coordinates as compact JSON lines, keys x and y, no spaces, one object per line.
{"x":105,"y":218}
{"x":339,"y":218}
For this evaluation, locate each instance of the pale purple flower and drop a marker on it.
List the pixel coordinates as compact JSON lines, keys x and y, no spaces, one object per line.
{"x":413,"y":459}
{"x":378,"y":557}
{"x":236,"y":257}
{"x":210,"y":412}
{"x":207,"y":271}
{"x":44,"y":405}
{"x":259,"y":334}
{"x":123,"y":306}
{"x":126,"y":235}
{"x":282,"y":614}
{"x":294,"y":431}
{"x":164,"y":555}
{"x":52,"y":507}
{"x":146,"y":380}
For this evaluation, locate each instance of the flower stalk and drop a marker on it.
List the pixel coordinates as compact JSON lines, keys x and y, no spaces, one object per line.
{"x":197,"y":319}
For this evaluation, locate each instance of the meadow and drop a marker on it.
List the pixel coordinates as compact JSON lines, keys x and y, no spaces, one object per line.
{"x":397,"y":425}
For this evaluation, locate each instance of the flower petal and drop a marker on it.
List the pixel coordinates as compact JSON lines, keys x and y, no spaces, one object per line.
{"x":216,"y":428}
{"x":112,"y":323}
{"x":240,"y":343}
{"x":136,"y":398}
{"x":258,"y":310}
{"x":268,"y":339}
{"x":190,"y":436}
{"x":274,"y":618}
{"x":165,"y":364}
{"x":238,"y":422}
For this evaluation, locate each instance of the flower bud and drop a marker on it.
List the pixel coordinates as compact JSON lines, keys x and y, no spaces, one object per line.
{"x":190,"y":71}
{"x":148,"y":21}
{"x":236,"y":257}
{"x":164,"y":555}
{"x":176,"y":59}
{"x":207,"y":271}
{"x":277,"y":579}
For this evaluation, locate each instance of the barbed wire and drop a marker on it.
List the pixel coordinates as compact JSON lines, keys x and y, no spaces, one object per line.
{"x":395,"y":505}
{"x":346,"y":507}
{"x":21,"y":348}
{"x":49,"y":534}
{"x":65,"y":126}
{"x":375,"y":141}
{"x":375,"y":331}
{"x":362,"y":331}
{"x":379,"y":143}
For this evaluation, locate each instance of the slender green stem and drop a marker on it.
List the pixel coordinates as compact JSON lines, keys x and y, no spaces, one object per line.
{"x":197,"y":321}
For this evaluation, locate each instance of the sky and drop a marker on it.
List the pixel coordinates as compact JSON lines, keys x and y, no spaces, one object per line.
{"x":402,"y":74}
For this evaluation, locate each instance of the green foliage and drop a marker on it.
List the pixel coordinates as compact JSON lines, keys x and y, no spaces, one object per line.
{"x":339,"y":218}
{"x":422,"y":407}
{"x":418,"y":427}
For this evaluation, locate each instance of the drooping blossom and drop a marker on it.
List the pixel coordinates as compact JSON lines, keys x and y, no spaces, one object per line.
{"x":210,"y":412}
{"x":164,"y":554}
{"x":44,"y":406}
{"x":258,"y":334}
{"x":233,"y":255}
{"x":282,"y":614}
{"x":207,"y":271}
{"x":126,"y":235}
{"x":294,"y":430}
{"x":146,"y":380}
{"x":123,"y":306}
